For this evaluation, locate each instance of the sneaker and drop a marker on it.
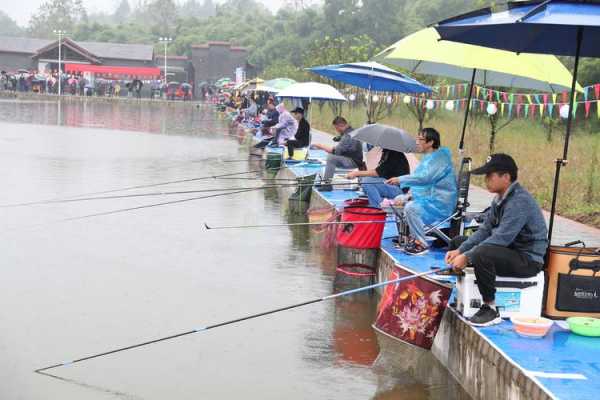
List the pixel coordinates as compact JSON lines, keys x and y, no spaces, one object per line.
{"x":486,"y":316}
{"x":415,"y":248}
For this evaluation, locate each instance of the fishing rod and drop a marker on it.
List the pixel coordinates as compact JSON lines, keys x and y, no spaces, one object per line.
{"x":122,"y":210}
{"x":208,"y":228}
{"x":244,"y":318}
{"x":127,"y":188}
{"x":269,"y":185}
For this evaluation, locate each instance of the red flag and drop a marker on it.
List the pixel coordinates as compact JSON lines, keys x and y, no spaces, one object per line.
{"x":519,"y":106}
{"x":587,"y":108}
{"x":532,"y":108}
{"x":481,"y":105}
{"x":505,"y":97}
{"x":463,"y":103}
{"x":490,"y":94}
{"x":545,"y":99}
{"x":520,"y":99}
{"x":565,"y":97}
{"x":597,"y":90}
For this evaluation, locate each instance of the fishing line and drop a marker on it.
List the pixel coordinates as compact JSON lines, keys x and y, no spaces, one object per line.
{"x":244,"y":318}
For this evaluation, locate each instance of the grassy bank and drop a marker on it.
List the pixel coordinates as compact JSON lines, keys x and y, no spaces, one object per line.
{"x":527,"y":141}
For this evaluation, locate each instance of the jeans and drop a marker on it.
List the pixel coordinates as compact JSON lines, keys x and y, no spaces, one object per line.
{"x":333,"y":162}
{"x":490,"y":261}
{"x":376,"y":190}
{"x":412,"y":214}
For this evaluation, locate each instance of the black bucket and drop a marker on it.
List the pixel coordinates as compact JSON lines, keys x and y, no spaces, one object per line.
{"x":274,"y":161}
{"x":304,"y":189}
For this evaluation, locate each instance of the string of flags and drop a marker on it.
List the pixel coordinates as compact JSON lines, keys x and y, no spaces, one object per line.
{"x":510,"y":105}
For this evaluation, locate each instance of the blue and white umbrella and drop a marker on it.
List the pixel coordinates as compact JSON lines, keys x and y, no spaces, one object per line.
{"x":372,"y":76}
{"x":559,"y":27}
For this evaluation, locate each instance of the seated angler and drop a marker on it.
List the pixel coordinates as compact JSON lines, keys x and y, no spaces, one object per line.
{"x":433,"y":190}
{"x":392,"y":163}
{"x":346,"y":154}
{"x":302,"y":137}
{"x":512,"y":241}
{"x":271,"y":119}
{"x":285,"y":128}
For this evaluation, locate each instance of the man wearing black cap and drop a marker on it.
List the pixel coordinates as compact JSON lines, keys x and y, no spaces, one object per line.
{"x":512,"y":241}
{"x":302,"y":136}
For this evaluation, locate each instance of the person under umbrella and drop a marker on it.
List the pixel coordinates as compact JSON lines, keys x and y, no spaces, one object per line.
{"x":433,"y":190}
{"x":302,"y":136}
{"x":394,"y":142}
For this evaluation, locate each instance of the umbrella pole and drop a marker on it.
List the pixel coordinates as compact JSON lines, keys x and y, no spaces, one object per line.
{"x":461,"y":146}
{"x":560,"y":162}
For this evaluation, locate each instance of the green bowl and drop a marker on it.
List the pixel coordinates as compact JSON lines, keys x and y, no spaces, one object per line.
{"x":584,"y":326}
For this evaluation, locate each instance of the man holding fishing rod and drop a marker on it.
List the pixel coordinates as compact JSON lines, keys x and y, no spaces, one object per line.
{"x":512,"y":241}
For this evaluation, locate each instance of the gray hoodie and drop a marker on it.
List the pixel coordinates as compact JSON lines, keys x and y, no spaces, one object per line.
{"x":514,"y":221}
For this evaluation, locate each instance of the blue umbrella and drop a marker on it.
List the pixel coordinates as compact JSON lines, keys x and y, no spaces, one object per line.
{"x":372,"y":76}
{"x":560,"y":27}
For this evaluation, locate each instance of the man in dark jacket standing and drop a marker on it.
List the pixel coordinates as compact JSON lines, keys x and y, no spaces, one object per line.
{"x":302,"y":136}
{"x":347,"y":154}
{"x":511,"y":242}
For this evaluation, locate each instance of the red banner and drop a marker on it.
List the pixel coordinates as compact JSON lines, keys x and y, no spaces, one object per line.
{"x":122,"y":72}
{"x":412,"y":310}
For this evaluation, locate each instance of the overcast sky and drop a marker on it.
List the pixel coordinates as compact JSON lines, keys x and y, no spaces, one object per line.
{"x":21,"y":10}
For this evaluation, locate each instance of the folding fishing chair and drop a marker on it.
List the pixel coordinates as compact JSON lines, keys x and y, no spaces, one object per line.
{"x":454,"y":225}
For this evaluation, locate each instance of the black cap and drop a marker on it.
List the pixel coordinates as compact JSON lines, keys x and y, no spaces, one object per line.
{"x":497,"y":163}
{"x":298,"y":110}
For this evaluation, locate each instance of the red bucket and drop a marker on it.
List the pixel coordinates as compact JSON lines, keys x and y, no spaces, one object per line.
{"x":363,"y":235}
{"x":359,"y":201}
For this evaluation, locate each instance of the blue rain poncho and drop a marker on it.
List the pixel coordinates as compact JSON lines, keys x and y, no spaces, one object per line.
{"x":433,"y":186}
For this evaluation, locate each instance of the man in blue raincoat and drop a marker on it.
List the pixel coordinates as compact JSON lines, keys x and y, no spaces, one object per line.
{"x":433,"y":190}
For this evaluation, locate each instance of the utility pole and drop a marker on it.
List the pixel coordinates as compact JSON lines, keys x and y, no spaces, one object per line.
{"x":166,"y":41}
{"x":60,"y":34}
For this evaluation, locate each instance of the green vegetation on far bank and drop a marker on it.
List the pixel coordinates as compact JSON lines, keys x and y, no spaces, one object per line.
{"x":527,"y":141}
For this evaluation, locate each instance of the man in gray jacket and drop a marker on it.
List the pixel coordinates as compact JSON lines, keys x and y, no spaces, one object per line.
{"x":512,"y":241}
{"x":347,"y":154}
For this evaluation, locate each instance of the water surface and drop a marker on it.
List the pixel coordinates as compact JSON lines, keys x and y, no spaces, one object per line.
{"x":71,"y":289}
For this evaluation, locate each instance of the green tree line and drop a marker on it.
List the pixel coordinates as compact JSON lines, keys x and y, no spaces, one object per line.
{"x":280,"y":44}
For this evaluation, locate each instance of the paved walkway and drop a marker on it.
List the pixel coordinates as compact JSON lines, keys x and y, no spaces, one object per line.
{"x":565,"y":230}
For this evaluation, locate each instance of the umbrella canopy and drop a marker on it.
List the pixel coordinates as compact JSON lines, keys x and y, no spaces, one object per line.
{"x":372,"y":76}
{"x":279,"y":83}
{"x":423,"y":53}
{"x":386,"y":137}
{"x":251,"y":84}
{"x":544,"y":27}
{"x":312,"y":91}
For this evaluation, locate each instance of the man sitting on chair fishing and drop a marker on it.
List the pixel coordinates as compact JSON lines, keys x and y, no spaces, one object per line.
{"x":347,"y":154}
{"x":512,"y":241}
{"x":433,"y":190}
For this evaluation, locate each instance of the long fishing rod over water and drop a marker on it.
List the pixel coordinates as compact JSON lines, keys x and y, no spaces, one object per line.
{"x":241,"y":319}
{"x":30,"y":203}
{"x":269,"y":185}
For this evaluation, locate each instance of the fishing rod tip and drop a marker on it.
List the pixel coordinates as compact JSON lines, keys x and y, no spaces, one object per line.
{"x":207,"y":227}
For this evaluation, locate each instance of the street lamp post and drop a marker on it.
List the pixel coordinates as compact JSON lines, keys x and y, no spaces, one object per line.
{"x":166,"y":41}
{"x":60,"y":34}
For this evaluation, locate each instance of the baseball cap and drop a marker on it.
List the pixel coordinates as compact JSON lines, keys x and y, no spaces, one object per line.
{"x":499,"y":162}
{"x":298,"y":110}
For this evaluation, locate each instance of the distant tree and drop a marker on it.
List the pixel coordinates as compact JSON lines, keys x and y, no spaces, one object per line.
{"x":56,"y":14}
{"x":122,"y":12}
{"x":8,"y":26}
